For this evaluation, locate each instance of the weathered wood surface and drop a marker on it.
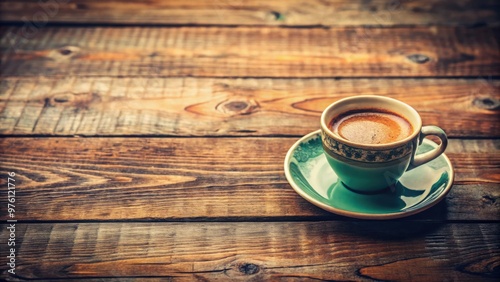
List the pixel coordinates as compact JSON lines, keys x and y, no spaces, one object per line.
{"x":250,"y":52}
{"x":200,"y":179}
{"x":254,"y":12}
{"x":262,"y":251}
{"x":229,"y":107}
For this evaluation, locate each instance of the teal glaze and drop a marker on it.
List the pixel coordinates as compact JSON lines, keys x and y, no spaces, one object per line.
{"x":369,"y":177}
{"x":311,"y":176}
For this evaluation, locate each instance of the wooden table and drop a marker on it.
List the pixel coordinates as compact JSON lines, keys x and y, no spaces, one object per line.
{"x":147,"y":138}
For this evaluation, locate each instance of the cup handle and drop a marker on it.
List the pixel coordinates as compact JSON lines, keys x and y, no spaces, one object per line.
{"x":429,"y":156}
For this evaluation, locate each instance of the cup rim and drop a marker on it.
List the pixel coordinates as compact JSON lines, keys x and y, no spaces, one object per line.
{"x":416,"y":124}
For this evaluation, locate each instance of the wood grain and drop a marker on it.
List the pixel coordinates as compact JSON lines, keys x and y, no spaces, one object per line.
{"x":200,"y":178}
{"x":229,"y":107}
{"x":265,"y":251}
{"x":255,"y":12}
{"x":250,"y":52}
{"x":124,"y":130}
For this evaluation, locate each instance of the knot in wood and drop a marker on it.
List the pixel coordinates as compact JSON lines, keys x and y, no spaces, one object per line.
{"x":487,"y":103}
{"x":419,"y":58}
{"x":237,"y":107}
{"x":249,"y":268}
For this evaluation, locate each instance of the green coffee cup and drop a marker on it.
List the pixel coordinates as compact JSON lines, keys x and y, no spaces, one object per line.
{"x":350,"y":124}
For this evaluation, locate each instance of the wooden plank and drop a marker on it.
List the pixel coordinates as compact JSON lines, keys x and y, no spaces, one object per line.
{"x":230,"y":107}
{"x":251,"y":52}
{"x":200,"y":178}
{"x":254,"y":12}
{"x":258,"y":251}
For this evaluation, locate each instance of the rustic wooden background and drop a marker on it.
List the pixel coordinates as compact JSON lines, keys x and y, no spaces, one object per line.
{"x":148,"y":137}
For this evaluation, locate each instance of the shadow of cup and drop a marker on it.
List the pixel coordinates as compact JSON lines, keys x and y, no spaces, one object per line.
{"x":416,"y":226}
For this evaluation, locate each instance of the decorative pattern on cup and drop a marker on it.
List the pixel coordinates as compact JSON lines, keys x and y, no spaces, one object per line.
{"x":308,"y":150}
{"x":365,"y":155}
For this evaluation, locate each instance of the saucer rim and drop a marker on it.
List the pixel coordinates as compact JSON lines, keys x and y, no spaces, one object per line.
{"x":361,"y":215}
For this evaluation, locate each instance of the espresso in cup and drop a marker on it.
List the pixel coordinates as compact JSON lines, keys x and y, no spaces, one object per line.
{"x":371,"y":126}
{"x":371,"y":141}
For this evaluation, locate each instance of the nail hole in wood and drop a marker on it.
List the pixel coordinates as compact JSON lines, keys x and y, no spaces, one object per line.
{"x":249,"y":268}
{"x":418,"y":58}
{"x":61,"y":99}
{"x":277,"y":16}
{"x":65,"y":51}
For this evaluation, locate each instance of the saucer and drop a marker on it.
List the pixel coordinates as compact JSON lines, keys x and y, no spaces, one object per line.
{"x":310,"y":175}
